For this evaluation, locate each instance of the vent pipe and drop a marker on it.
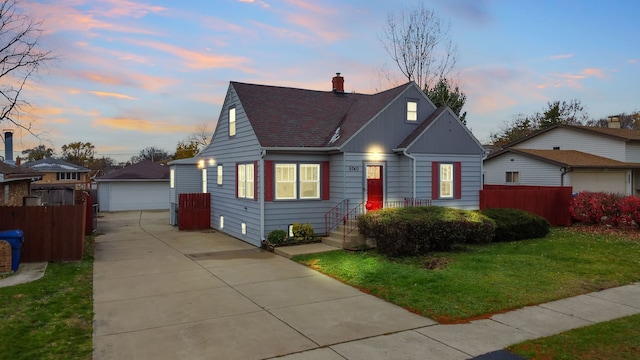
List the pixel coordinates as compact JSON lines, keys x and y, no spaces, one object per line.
{"x":8,"y":146}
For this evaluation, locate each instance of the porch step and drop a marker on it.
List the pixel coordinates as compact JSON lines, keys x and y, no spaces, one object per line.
{"x":353,"y":241}
{"x":316,"y":248}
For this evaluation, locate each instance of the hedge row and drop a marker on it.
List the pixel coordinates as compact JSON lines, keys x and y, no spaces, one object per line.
{"x":605,"y":208}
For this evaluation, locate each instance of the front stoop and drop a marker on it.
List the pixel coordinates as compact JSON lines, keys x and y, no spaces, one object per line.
{"x":315,"y":248}
{"x":353,"y":241}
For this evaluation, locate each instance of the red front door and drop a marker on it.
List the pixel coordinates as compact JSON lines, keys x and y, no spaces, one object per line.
{"x":374,"y":187}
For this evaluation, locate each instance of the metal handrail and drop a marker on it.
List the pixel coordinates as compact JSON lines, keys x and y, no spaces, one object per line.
{"x":350,"y":220}
{"x":335,"y":216}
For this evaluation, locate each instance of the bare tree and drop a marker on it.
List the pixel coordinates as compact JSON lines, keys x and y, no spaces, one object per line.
{"x":418,"y":42}
{"x":202,"y":136}
{"x":20,"y":58}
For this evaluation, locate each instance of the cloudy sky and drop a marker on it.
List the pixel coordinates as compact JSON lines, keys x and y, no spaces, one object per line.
{"x":134,"y":74}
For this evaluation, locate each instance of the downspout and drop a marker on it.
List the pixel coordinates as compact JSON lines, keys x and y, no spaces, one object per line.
{"x":564,"y":170}
{"x":415,"y":167}
{"x":263,"y":152}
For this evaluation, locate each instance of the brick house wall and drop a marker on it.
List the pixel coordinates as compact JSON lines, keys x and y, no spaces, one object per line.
{"x":12,"y":193}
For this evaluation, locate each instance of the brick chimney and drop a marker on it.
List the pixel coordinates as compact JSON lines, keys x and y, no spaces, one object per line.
{"x":8,"y":146}
{"x":338,"y":83}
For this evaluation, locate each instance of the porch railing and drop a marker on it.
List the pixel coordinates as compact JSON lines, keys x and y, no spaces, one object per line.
{"x":342,"y":215}
{"x":335,"y":216}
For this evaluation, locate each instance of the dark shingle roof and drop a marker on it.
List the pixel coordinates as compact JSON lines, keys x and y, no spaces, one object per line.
{"x":144,"y":170}
{"x":574,"y":158}
{"x":54,"y":165}
{"x":17,"y":172}
{"x":289,"y":117}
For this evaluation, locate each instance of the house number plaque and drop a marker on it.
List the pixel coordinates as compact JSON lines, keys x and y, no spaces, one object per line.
{"x":353,"y":168}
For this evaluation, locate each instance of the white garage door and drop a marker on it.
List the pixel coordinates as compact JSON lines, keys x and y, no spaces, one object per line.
{"x":606,"y":181}
{"x":124,"y":196}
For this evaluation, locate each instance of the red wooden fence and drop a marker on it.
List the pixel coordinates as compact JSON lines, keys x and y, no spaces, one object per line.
{"x":52,"y":233}
{"x":194,"y":211}
{"x":550,"y":202}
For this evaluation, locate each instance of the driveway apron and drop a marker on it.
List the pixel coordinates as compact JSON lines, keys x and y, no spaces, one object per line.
{"x":160,"y":293}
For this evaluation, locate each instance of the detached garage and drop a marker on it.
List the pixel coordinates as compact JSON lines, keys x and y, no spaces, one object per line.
{"x":142,"y":186}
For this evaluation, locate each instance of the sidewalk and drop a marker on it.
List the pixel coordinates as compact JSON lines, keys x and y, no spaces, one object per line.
{"x":164,"y":294}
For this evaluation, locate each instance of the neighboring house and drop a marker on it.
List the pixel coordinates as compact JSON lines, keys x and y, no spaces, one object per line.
{"x":187,"y":176}
{"x":284,"y":155}
{"x":142,"y":186}
{"x":15,"y":184}
{"x":58,"y":173}
{"x":586,"y":158}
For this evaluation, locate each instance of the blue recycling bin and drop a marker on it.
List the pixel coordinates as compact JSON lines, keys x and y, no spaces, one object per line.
{"x":15,"y":238}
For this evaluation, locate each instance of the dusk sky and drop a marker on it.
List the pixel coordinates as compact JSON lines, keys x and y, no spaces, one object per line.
{"x":135,"y":74}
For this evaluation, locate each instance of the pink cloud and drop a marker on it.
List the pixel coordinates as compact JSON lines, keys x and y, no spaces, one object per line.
{"x":258,"y":2}
{"x":64,"y":16}
{"x":125,"y":8}
{"x":197,"y":60}
{"x":560,"y":57}
{"x":309,"y":7}
{"x":111,"y":94}
{"x":142,"y":125}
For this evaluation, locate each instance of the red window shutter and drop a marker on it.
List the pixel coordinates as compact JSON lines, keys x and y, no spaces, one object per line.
{"x":435,"y":180}
{"x":255,"y":180}
{"x":237,"y":180}
{"x":325,"y":186}
{"x":268,"y":180}
{"x":457,"y":173}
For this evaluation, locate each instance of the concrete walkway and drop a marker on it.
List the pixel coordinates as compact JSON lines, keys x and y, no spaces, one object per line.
{"x":164,"y":294}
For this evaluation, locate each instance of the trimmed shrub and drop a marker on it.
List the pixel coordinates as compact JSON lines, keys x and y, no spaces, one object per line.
{"x":419,"y":230}
{"x":303,"y":232}
{"x":516,"y":224}
{"x":277,"y":236}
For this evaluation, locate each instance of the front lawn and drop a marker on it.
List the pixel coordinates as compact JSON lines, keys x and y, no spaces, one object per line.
{"x":50,"y":318}
{"x":616,"y":339}
{"x":485,"y":279}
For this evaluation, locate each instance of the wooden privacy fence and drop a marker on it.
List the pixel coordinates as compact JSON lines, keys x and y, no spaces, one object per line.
{"x":51,"y":233}
{"x":550,"y":202}
{"x":194,"y":211}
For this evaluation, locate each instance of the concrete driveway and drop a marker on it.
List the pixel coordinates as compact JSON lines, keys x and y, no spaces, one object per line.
{"x":164,"y":294}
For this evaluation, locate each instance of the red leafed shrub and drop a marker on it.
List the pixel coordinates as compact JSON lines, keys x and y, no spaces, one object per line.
{"x":596,"y":208}
{"x":630,"y":210}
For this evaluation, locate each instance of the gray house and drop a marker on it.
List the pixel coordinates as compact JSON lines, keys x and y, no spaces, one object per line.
{"x":283,"y":155}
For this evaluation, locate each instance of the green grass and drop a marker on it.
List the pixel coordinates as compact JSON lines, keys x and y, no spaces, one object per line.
{"x":50,"y":318}
{"x":487,"y":279}
{"x":616,"y":339}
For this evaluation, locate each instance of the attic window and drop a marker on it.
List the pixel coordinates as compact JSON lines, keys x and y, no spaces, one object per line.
{"x":412,"y":110}
{"x":67,"y":176}
{"x":232,"y":121}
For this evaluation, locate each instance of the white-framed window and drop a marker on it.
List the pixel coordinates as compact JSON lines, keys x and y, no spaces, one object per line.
{"x":446,"y":181}
{"x":309,"y":181}
{"x":172,"y":178}
{"x":204,"y":180}
{"x":512,"y":177}
{"x":286,"y":181}
{"x":245,"y":181}
{"x":412,"y":110}
{"x":219,"y":175}
{"x":232,"y":121}
{"x":68,"y":176}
